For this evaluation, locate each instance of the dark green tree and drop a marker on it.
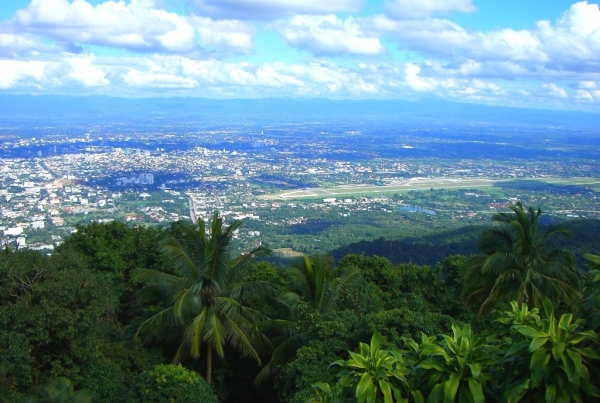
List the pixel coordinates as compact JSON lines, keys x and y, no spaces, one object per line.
{"x":519,"y":260}
{"x":59,"y":390}
{"x":50,"y":311}
{"x":209,"y":298}
{"x":314,"y":287}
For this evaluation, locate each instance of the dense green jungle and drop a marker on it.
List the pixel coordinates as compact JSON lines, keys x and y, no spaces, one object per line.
{"x":504,"y":311}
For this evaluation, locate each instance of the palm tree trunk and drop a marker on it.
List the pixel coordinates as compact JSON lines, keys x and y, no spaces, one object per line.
{"x":209,"y":360}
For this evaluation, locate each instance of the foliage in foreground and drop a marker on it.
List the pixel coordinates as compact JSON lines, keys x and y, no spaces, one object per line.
{"x":525,"y":358}
{"x":173,"y":383}
{"x":520,"y":260}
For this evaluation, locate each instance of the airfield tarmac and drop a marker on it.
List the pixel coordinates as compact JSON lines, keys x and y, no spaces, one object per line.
{"x":421,"y":184}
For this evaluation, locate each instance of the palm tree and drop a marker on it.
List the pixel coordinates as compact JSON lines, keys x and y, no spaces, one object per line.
{"x":314,"y":282}
{"x":209,"y":297}
{"x":592,"y":291}
{"x":519,"y":261}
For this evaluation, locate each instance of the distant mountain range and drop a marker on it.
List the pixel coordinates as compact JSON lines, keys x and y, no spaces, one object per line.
{"x":287,"y":109}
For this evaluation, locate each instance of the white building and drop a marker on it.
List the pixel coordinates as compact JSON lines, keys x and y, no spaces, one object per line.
{"x":37,"y":225}
{"x":13,"y":231}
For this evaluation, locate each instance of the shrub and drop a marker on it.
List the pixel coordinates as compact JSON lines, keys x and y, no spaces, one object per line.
{"x":173,"y":383}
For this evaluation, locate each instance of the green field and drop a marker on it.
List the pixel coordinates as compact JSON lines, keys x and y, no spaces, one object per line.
{"x":425,"y":184}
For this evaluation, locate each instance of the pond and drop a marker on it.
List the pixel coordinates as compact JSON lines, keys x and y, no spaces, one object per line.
{"x":412,"y":209}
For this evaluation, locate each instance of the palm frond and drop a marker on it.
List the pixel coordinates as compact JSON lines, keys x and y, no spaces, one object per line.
{"x":195,"y":333}
{"x":158,"y":324}
{"x":282,"y":354}
{"x":182,"y":260}
{"x":165,"y":282}
{"x":217,"y":333}
{"x":517,"y":260}
{"x":243,"y":340}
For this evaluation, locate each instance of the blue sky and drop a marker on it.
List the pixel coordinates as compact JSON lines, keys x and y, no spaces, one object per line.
{"x":534,"y":53}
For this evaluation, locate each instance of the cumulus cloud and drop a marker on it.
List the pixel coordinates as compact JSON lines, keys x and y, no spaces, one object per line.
{"x":84,"y":72}
{"x":179,"y":74}
{"x":570,"y":45}
{"x":269,"y":9}
{"x":327,"y":35}
{"x":554,"y":90}
{"x":403,"y":9}
{"x":138,"y":26}
{"x":587,"y":96}
{"x":174,"y":74}
{"x":231,"y":35}
{"x":19,"y":45}
{"x":16,"y":73}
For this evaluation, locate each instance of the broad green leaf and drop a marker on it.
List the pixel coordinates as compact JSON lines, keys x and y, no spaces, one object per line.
{"x":475,"y":370}
{"x":562,"y":396}
{"x":450,"y":387}
{"x":371,"y":395}
{"x":587,"y":352}
{"x":538,"y":363}
{"x":437,"y":394}
{"x":358,"y":361}
{"x":569,"y":367}
{"x":517,"y":348}
{"x":375,"y":342}
{"x":434,"y":349}
{"x":550,"y":393}
{"x":412,"y":344}
{"x":557,"y":349}
{"x":429,"y":364}
{"x":451,"y":344}
{"x":417,"y":396}
{"x":518,"y":391}
{"x":536,"y":343}
{"x":476,"y":391}
{"x":592,"y":335}
{"x":548,"y":308}
{"x":577,"y":361}
{"x":386,"y":390}
{"x":530,"y":332}
{"x":364,"y":384}
{"x":565,"y":321}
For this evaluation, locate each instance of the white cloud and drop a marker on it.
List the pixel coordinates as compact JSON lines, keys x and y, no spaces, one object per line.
{"x":18,"y":45}
{"x":435,"y":36}
{"x":268,"y":9}
{"x":425,"y":8}
{"x":555,"y":91}
{"x":588,"y":85}
{"x":231,"y":35}
{"x":585,"y":96}
{"x":328,"y":35}
{"x":85,"y":73}
{"x":139,"y":25}
{"x":569,"y":47}
{"x":178,"y":74}
{"x":17,"y":73}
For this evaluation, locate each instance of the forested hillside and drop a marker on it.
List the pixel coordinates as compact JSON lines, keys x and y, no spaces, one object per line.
{"x":428,"y":250}
{"x":143,"y":314}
